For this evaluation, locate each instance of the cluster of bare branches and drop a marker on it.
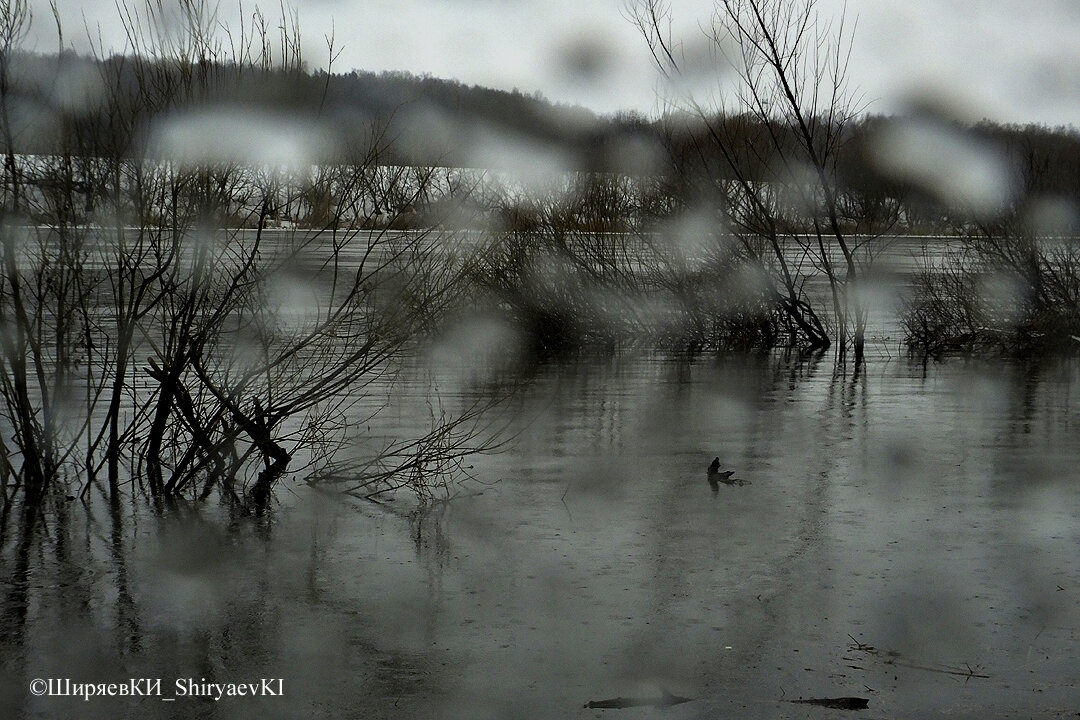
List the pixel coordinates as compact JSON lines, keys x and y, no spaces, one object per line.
{"x":775,"y":120}
{"x":166,"y":320}
{"x":587,"y":264}
{"x":1004,"y":289}
{"x":1011,"y":281}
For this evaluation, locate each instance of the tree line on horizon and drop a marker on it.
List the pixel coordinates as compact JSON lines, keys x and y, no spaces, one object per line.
{"x":436,"y":118}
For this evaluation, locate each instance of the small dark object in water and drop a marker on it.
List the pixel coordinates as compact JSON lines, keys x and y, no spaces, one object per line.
{"x":714,"y":472}
{"x":715,"y":476}
{"x":665,"y":700}
{"x":840,"y":703}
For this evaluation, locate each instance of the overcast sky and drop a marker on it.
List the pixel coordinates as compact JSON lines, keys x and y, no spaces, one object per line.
{"x":1011,"y":60}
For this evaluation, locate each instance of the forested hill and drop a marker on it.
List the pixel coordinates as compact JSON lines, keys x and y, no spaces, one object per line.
{"x":423,"y":120}
{"x":460,"y":124}
{"x":389,"y":92}
{"x":419,"y":119}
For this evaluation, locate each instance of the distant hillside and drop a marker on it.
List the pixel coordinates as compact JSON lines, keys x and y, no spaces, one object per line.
{"x":94,"y":107}
{"x":427,"y":120}
{"x":457,"y":123}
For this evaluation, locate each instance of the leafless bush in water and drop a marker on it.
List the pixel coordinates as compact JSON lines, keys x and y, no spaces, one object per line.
{"x":1005,"y":291}
{"x":612,"y":261}
{"x":1011,"y":283}
{"x":761,"y":152}
{"x":194,"y":297}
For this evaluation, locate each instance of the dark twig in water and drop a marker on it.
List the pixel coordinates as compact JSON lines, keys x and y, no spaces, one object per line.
{"x":860,"y":646}
{"x":840,"y":703}
{"x":619,"y":703}
{"x":894,"y":658}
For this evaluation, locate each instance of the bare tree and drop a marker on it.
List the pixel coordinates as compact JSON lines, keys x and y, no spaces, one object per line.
{"x":770,"y":146}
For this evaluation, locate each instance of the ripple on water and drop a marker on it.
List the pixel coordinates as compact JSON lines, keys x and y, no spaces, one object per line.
{"x":903,"y":533}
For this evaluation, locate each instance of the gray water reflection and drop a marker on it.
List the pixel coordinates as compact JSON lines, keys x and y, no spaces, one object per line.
{"x":907,"y":534}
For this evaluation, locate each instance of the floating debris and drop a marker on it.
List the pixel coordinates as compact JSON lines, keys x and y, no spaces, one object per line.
{"x":665,"y":700}
{"x":840,"y":703}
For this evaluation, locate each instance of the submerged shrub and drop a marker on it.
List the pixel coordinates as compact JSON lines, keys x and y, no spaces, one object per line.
{"x":1014,"y":295}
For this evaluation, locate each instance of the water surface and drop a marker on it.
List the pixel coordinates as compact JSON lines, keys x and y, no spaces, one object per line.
{"x":907,"y":534}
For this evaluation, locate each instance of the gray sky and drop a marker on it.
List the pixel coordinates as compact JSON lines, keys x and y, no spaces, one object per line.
{"x":1011,"y":60}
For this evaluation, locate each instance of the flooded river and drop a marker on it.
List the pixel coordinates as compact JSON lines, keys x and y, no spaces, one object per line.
{"x":906,"y":535}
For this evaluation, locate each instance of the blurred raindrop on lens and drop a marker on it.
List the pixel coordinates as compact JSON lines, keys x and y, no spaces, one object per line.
{"x":78,"y":85}
{"x":951,"y":165}
{"x":293,"y":299}
{"x":1005,"y":297}
{"x":476,"y":347}
{"x":692,"y":237}
{"x":429,"y":132}
{"x":238,"y":135}
{"x":1054,"y":217}
{"x":704,"y":72}
{"x":527,"y":160}
{"x":584,"y":58}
